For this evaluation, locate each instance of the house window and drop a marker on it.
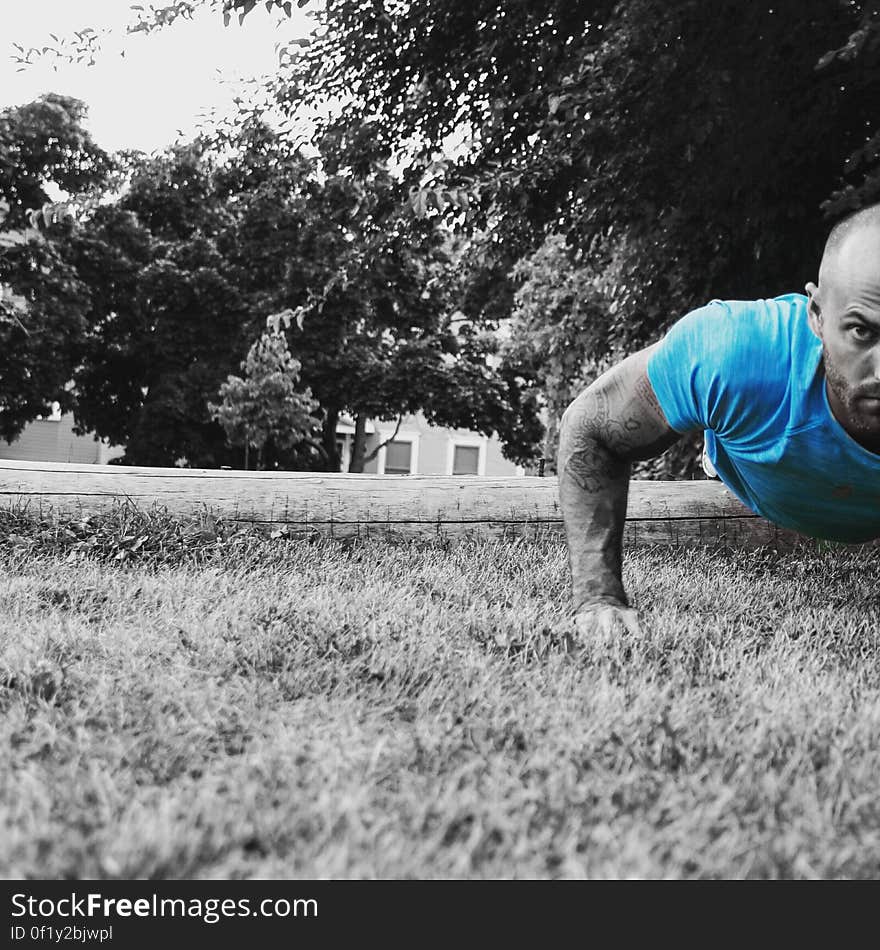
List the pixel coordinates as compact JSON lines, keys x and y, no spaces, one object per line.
{"x":466,"y":460}
{"x":398,"y":458}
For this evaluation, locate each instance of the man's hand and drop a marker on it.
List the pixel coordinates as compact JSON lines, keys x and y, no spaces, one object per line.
{"x":603,"y":624}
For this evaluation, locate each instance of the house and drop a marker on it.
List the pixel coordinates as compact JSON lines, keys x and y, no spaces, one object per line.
{"x":417,"y":449}
{"x":52,"y":439}
{"x":422,"y":449}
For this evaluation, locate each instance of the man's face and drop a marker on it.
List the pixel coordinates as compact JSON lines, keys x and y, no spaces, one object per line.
{"x":844,"y":312}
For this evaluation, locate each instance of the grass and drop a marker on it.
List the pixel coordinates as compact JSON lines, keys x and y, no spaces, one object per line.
{"x":216,"y":704}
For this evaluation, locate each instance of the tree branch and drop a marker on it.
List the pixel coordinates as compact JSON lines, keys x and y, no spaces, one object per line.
{"x":375,"y":452}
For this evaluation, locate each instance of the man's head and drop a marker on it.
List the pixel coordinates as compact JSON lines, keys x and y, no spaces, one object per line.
{"x":844,"y":312}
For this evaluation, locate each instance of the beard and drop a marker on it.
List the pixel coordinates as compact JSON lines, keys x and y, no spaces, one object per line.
{"x":862,"y":422}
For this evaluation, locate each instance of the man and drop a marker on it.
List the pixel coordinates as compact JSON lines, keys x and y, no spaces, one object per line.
{"x":788,"y":393}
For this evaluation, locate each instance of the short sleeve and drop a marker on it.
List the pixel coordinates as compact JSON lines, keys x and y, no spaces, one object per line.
{"x":717,"y":368}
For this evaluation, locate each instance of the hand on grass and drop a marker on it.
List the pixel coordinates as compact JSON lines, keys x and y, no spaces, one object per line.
{"x":601,"y":624}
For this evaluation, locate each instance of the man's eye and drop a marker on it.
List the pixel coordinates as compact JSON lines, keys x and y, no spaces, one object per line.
{"x":862,"y":333}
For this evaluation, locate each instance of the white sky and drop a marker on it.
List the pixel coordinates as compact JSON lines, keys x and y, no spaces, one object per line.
{"x":165,"y":80}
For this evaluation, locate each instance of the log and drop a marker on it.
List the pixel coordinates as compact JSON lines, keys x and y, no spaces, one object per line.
{"x":688,"y":514}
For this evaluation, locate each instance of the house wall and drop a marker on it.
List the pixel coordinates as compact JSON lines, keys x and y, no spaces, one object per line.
{"x":53,"y":440}
{"x":432,"y":448}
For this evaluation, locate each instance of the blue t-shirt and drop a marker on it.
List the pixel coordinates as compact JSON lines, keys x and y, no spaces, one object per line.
{"x":750,"y":374}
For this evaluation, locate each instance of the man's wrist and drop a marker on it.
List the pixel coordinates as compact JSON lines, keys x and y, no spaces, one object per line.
{"x":600,"y":600}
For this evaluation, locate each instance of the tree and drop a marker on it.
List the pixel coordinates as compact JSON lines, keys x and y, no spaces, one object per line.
{"x":690,"y":148}
{"x":375,"y":329}
{"x":211,"y":238}
{"x":43,"y":302}
{"x":264,"y":407}
{"x":660,"y":137}
{"x":12,"y":305}
{"x":166,"y":320}
{"x":855,"y":64}
{"x":682,"y":152}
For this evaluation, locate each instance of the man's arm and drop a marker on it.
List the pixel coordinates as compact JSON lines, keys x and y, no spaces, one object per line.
{"x":612,"y":423}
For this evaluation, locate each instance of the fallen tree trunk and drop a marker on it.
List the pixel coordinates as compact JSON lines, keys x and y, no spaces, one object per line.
{"x":681,"y":513}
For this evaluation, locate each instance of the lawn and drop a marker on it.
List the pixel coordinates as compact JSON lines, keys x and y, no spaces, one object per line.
{"x":189,"y":701}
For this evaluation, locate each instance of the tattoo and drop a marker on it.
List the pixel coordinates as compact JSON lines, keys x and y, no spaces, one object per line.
{"x":612,"y":423}
{"x":645,"y":392}
{"x":628,"y":421}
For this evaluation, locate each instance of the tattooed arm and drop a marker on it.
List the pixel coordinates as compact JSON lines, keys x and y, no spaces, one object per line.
{"x":613,"y":422}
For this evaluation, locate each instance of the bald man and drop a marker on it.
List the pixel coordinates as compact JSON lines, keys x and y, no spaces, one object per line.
{"x":787,"y":392}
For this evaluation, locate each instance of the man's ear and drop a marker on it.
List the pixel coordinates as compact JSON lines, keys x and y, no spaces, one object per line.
{"x":814,"y":310}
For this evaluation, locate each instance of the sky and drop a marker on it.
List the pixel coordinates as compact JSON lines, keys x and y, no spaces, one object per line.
{"x":164,"y":81}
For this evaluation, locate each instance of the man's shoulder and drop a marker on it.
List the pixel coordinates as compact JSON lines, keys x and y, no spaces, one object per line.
{"x":758,"y":314}
{"x":739,"y":330}
{"x":731,"y":362}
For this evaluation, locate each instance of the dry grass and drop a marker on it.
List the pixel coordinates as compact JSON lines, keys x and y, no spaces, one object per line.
{"x":217,"y":705}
